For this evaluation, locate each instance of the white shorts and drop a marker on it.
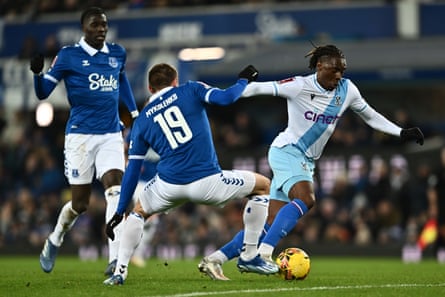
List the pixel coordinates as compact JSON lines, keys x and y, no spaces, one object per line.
{"x":218,"y":189}
{"x":87,"y":153}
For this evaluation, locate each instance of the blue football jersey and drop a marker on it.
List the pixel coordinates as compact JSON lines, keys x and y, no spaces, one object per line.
{"x":176,"y":126}
{"x":93,"y":80}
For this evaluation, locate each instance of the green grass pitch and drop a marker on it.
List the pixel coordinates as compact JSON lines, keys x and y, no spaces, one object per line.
{"x":21,"y":276}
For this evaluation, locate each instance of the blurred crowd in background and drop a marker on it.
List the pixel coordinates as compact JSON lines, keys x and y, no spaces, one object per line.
{"x":32,"y":9}
{"x":380,"y":206}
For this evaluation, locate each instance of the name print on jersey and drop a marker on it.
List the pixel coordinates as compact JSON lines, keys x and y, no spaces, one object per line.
{"x":99,"y":82}
{"x":163,"y":104}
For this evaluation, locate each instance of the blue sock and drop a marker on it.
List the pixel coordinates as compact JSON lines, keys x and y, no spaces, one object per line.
{"x":232,"y":249}
{"x":285,"y":220}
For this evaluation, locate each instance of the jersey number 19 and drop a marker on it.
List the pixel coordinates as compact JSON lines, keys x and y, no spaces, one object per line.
{"x":174,"y":126}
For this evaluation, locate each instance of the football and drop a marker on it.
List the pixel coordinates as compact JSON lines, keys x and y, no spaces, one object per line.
{"x":294,"y":264}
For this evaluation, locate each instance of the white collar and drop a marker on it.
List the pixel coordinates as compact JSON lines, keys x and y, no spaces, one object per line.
{"x":158,"y":94}
{"x":91,"y":50}
{"x":320,"y":87}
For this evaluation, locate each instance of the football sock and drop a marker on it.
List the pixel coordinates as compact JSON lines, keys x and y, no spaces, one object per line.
{"x":285,"y":220}
{"x":132,"y":229}
{"x":254,"y":217}
{"x":150,"y":227}
{"x":112,"y":196}
{"x":65,"y":221}
{"x":232,"y":249}
{"x":219,"y":257}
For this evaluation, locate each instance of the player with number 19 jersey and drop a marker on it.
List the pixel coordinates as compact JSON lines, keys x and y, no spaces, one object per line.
{"x":177,"y":128}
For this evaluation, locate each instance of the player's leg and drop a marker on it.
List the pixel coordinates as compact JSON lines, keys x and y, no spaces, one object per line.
{"x":297,"y":181}
{"x":111,"y":181}
{"x":79,"y":171}
{"x":218,"y":190}
{"x":255,"y":215}
{"x":131,"y":234}
{"x":232,"y":249}
{"x":150,"y":225}
{"x":149,"y":231}
{"x":110,"y":163}
{"x":67,"y":217}
{"x":149,"y":203}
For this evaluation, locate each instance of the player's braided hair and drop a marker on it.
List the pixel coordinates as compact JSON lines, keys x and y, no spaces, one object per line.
{"x":323,"y":51}
{"x":89,"y":12}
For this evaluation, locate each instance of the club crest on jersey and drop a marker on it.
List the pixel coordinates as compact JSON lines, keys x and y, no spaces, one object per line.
{"x":112,"y":61}
{"x":337,"y":100}
{"x":75,"y":173}
{"x":286,"y":80}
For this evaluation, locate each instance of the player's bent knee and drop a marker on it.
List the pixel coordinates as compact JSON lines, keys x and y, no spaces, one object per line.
{"x":140,"y":211}
{"x":262,"y":185}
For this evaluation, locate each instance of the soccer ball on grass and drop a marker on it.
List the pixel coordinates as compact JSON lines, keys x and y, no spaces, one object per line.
{"x":294,"y":264}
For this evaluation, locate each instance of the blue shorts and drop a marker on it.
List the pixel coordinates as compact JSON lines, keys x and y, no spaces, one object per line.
{"x":289,"y":166}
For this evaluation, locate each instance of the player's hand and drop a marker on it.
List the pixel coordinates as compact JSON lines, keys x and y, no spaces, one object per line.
{"x":36,"y":63}
{"x":115,"y":220}
{"x":412,"y":134}
{"x":250,"y":73}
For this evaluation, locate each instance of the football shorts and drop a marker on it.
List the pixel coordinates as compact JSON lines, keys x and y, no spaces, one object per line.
{"x":216,"y":189}
{"x":86,"y":154}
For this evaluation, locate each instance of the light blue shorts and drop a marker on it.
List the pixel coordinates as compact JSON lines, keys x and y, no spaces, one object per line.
{"x":289,"y":166}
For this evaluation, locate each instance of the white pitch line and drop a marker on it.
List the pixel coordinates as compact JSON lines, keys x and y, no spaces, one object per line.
{"x":322,"y":288}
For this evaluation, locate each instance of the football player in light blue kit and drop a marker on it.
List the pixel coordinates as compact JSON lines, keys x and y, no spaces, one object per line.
{"x":94,"y":75}
{"x":315,"y":104}
{"x":174,"y":123}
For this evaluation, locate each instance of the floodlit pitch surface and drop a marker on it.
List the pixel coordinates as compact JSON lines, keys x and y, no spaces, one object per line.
{"x":21,"y":276}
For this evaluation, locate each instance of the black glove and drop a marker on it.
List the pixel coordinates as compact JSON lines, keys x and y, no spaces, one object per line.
{"x":250,"y":73}
{"x":412,"y":134}
{"x":115,"y":220}
{"x":36,"y":63}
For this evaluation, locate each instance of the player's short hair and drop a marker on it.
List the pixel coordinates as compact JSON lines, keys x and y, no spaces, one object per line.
{"x":161,"y":75}
{"x":323,"y":51}
{"x":89,"y":12}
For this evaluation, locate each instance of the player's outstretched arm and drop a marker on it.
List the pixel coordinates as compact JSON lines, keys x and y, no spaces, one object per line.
{"x":250,"y":73}
{"x":232,"y":93}
{"x":414,"y":133}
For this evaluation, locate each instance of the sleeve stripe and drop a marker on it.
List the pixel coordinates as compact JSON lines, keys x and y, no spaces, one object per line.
{"x":136,"y":157}
{"x":50,"y":78}
{"x":207,"y":97}
{"x":275,"y":88}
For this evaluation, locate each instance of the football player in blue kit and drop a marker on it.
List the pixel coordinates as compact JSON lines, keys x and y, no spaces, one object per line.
{"x":148,"y":171}
{"x":94,"y":74}
{"x":314,"y":103}
{"x":174,"y":123}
